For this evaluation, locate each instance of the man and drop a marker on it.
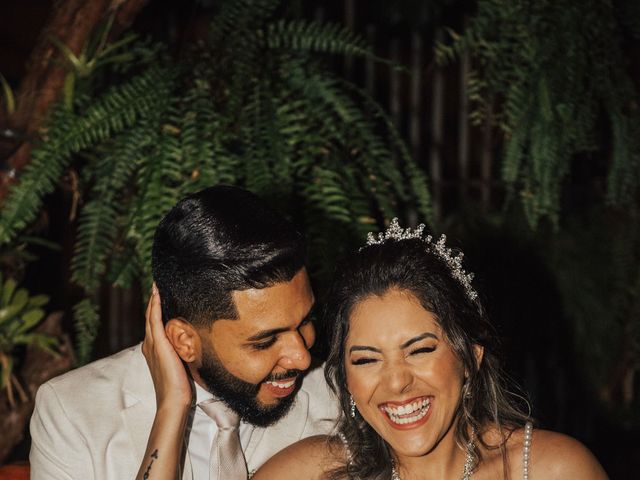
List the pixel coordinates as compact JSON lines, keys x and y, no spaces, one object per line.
{"x":236,"y":305}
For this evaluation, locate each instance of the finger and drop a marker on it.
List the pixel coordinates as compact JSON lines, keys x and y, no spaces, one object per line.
{"x":154,"y":315}
{"x":147,"y":324}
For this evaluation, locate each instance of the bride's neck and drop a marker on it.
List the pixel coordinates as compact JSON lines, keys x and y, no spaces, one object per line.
{"x":444,"y":461}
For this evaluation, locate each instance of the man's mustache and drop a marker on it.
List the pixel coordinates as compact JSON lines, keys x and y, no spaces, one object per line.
{"x":274,"y":377}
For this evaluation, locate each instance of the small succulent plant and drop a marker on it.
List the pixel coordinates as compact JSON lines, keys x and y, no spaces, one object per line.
{"x":20,"y":313}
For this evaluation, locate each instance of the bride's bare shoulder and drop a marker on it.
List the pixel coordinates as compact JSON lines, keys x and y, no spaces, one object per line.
{"x":551,"y":456}
{"x":555,"y":455}
{"x":310,"y":458}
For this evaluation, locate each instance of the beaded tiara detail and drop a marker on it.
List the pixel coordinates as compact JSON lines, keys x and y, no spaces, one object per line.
{"x":453,"y":259}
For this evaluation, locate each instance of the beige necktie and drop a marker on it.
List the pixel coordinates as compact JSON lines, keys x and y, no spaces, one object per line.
{"x":226,"y":460}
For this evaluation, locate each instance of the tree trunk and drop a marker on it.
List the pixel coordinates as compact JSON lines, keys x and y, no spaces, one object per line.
{"x":72,"y":22}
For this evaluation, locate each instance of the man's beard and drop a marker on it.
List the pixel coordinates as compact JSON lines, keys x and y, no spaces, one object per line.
{"x":241,"y":396}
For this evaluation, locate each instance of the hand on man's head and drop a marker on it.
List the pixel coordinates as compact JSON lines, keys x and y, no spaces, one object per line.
{"x":170,"y":378}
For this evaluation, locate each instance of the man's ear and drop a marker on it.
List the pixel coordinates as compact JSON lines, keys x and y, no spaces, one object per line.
{"x":478,"y":351}
{"x":184,"y":338}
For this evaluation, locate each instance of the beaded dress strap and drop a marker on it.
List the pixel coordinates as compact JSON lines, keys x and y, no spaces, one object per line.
{"x":526,"y":450}
{"x":347,"y":452}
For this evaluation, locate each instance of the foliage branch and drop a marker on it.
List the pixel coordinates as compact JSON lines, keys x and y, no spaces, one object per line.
{"x":551,"y":74}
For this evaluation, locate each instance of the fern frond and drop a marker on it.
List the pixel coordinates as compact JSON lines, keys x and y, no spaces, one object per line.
{"x":98,"y":222}
{"x":300,"y":35}
{"x":558,"y":66}
{"x":159,"y":186}
{"x":197,"y":139}
{"x":236,"y":17}
{"x":125,"y":267}
{"x":69,"y":134}
{"x":258,"y":157}
{"x":326,"y":193}
{"x":87,"y":321}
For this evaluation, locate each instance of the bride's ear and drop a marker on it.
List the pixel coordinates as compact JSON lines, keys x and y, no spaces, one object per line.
{"x":184,"y":338}
{"x":478,"y":352}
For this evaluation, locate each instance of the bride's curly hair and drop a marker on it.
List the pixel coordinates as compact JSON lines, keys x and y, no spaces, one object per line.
{"x":408,"y":265}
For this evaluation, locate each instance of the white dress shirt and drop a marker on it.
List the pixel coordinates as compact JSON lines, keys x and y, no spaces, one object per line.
{"x":200,"y":437}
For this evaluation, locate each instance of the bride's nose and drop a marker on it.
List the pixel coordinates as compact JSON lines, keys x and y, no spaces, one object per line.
{"x":398,"y":376}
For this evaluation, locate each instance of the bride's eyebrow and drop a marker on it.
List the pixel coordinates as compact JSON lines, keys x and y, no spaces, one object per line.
{"x":418,"y":338}
{"x":356,"y":348}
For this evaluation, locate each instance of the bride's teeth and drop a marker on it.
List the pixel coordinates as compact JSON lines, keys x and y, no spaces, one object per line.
{"x":420,"y":407}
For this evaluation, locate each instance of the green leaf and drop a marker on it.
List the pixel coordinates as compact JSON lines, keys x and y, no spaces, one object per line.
{"x":68,"y":89}
{"x":112,"y":47}
{"x":21,"y":298}
{"x":7,"y":291}
{"x":41,"y":242}
{"x":66,"y":52}
{"x":9,"y":99}
{"x":38,"y":301}
{"x":9,"y":313}
{"x":30,"y":319}
{"x":44,"y":342}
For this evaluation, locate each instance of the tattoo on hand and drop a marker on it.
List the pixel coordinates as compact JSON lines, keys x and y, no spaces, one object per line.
{"x":154,"y":455}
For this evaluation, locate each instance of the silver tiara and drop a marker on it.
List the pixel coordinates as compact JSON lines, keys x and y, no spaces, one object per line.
{"x":446,"y":254}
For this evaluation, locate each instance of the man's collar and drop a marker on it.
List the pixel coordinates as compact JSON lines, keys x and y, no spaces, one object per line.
{"x":201,"y":393}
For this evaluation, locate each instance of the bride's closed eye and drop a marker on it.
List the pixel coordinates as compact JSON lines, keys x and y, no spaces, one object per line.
{"x":420,"y":350}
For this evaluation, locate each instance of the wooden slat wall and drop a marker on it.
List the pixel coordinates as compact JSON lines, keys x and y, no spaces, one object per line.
{"x":429,"y":104}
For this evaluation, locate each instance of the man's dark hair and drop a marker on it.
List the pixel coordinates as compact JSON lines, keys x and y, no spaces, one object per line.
{"x":216,"y":241}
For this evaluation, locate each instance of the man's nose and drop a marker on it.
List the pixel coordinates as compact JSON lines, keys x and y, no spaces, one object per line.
{"x":295,"y":353}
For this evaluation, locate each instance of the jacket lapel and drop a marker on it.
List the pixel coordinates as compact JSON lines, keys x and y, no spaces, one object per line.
{"x":140,"y":408}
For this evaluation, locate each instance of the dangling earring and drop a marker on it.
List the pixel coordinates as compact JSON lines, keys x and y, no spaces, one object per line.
{"x":352,"y":404}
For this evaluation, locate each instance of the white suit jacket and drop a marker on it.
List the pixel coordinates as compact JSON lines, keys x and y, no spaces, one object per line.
{"x":94,"y":422}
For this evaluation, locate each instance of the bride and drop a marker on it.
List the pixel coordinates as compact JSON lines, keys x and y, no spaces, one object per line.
{"x":413,"y":363}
